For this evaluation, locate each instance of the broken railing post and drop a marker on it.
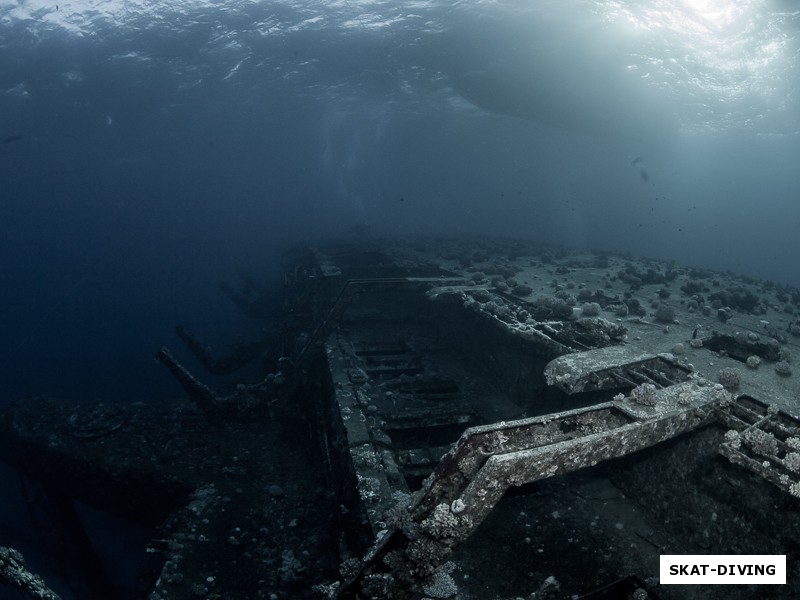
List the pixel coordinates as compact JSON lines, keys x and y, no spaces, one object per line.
{"x":243,"y":353}
{"x":197,"y":392}
{"x":14,"y":573}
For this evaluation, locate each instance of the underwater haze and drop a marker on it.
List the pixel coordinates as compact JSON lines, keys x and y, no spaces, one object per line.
{"x":151,"y":150}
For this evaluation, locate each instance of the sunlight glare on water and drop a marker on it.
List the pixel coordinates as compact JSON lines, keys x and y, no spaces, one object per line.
{"x":716,"y":15}
{"x":733,"y":55}
{"x":690,"y":18}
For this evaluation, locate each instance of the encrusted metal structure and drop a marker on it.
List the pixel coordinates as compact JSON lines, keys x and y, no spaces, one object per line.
{"x":397,"y":404}
{"x":447,"y":390}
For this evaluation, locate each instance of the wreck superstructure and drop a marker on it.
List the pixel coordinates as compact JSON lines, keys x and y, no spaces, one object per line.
{"x":486,"y":413}
{"x":531,"y":391}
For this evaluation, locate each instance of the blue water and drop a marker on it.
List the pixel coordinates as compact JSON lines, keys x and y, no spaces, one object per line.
{"x":154,"y":149}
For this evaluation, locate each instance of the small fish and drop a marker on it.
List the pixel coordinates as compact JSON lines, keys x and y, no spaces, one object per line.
{"x":636,"y":161}
{"x":12,"y":138}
